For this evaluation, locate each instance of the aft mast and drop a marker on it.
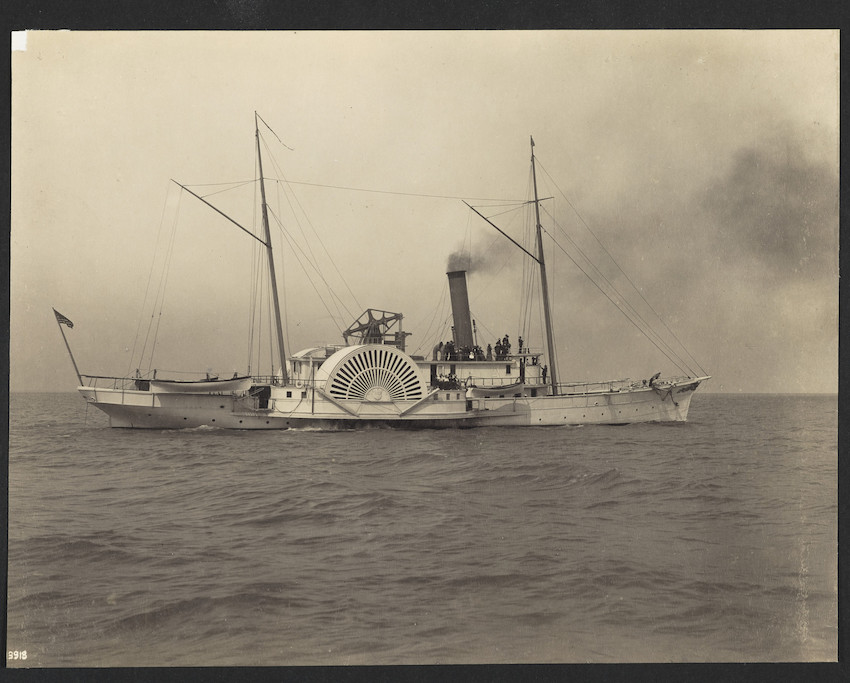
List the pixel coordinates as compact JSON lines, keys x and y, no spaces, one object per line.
{"x":272,"y":277}
{"x":547,"y":316}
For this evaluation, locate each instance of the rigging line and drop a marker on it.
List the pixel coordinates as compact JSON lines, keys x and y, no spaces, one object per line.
{"x":219,"y":211}
{"x":228,"y":189}
{"x":289,"y":202}
{"x":251,"y":306}
{"x":296,"y":248}
{"x":150,"y":277}
{"x":232,"y":182}
{"x":401,"y":194}
{"x":331,"y":292}
{"x":625,"y":301}
{"x":253,"y":293}
{"x":266,"y":293}
{"x":428,"y":343}
{"x":554,"y":352}
{"x":324,"y":248}
{"x":490,"y":333}
{"x":613,"y":260}
{"x":285,"y":305}
{"x":619,"y":294}
{"x":532,"y":302}
{"x":596,"y":284}
{"x":502,"y":213}
{"x":256,"y":285}
{"x":437,"y":309}
{"x":503,"y":232}
{"x":525,"y":281}
{"x":275,"y":134}
{"x":529,"y":281}
{"x":309,"y":279}
{"x":441,"y":318}
{"x":160,"y":291}
{"x":163,"y":287}
{"x":272,"y":336}
{"x":262,"y":297}
{"x":311,"y":258}
{"x":534,"y":284}
{"x":292,"y":196}
{"x":500,"y":203}
{"x":446,"y":329}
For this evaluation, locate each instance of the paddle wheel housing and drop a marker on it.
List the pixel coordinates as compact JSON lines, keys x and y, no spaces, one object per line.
{"x":372,"y":373}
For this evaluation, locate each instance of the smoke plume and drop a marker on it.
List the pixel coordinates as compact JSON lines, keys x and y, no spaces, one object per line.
{"x":485,"y":256}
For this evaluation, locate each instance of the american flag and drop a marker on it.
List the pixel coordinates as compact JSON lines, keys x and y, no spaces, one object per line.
{"x":61,"y":319}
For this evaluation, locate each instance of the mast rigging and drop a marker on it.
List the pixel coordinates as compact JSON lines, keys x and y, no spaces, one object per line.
{"x":272,"y":276}
{"x":544,"y":285}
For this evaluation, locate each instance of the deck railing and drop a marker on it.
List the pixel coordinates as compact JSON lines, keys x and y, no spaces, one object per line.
{"x":109,"y":382}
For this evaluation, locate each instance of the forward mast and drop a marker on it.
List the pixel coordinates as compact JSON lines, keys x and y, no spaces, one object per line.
{"x":272,"y":277}
{"x":544,"y":284}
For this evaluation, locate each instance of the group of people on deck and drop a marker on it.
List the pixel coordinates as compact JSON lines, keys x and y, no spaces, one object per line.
{"x":503,"y":347}
{"x":448,"y":382}
{"x":450,"y":352}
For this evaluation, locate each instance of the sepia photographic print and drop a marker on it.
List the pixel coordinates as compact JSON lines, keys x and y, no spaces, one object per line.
{"x":423,"y":347}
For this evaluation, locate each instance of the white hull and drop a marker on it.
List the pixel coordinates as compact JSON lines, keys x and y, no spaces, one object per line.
{"x":303,"y":406}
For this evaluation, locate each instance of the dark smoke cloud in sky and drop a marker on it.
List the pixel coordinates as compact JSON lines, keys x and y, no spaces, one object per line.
{"x":778,"y":208}
{"x":743,"y":263}
{"x":476,"y":260}
{"x":486,"y":252}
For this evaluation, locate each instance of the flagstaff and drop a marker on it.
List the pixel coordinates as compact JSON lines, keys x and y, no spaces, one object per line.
{"x":62,"y":320}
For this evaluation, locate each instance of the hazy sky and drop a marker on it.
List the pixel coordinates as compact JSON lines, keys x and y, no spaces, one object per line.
{"x":705,"y":161}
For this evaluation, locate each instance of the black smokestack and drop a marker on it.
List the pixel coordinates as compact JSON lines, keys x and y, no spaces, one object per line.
{"x":460,"y":308}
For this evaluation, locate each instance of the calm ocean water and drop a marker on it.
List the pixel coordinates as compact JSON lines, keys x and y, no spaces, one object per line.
{"x":712,"y":540}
